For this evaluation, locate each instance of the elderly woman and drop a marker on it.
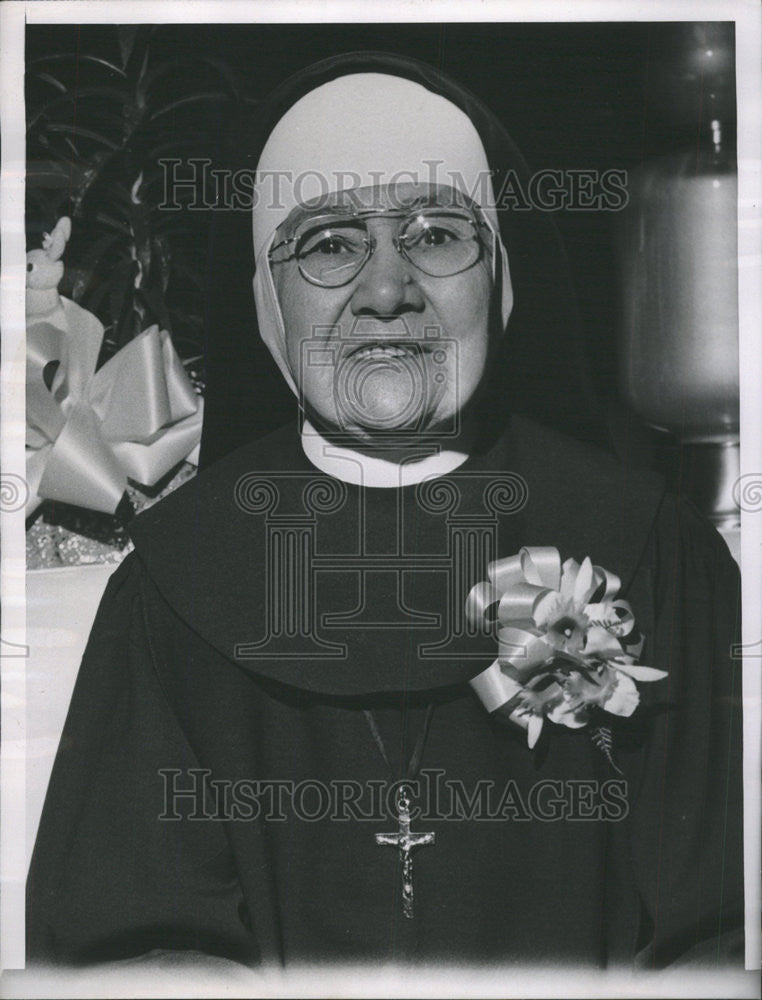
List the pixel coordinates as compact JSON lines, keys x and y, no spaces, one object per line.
{"x":273,"y":752}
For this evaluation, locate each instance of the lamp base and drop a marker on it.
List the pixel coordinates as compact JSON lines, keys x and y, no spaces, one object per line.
{"x":707,"y":473}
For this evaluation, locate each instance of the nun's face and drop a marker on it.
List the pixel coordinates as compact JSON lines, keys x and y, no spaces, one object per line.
{"x":394,"y":351}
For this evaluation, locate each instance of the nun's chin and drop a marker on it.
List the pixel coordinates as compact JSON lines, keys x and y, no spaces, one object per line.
{"x":385,"y":397}
{"x":383,"y":417}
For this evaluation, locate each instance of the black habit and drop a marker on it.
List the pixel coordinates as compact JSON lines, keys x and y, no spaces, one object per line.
{"x":194,"y":671}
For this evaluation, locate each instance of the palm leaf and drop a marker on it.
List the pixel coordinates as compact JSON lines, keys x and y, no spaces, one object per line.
{"x":100,"y":92}
{"x":215,"y":95}
{"x":145,"y":107}
{"x":88,"y":263}
{"x":119,"y":284}
{"x":93,"y":298}
{"x":184,"y":271}
{"x":162,"y":254}
{"x":114,"y":191}
{"x":157,"y":306}
{"x":77,"y":56}
{"x":108,"y":220}
{"x":85,"y":133}
{"x":225,"y":72}
{"x":52,"y":80}
{"x":126,"y":35}
{"x":150,"y":76}
{"x":51,"y":173}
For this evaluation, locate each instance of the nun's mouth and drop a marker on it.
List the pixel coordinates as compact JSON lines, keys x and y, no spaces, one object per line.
{"x":385,"y":349}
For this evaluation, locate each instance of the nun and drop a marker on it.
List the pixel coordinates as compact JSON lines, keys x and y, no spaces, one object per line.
{"x":292,"y":739}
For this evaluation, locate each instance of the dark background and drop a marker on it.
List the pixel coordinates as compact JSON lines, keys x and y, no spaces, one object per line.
{"x":593,"y":96}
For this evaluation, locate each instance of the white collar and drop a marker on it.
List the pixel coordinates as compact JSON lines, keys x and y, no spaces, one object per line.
{"x":366,"y":470}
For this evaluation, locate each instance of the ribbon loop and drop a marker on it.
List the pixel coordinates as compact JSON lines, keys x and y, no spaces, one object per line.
{"x":505,"y":573}
{"x":481,"y":598}
{"x":80,"y":463}
{"x":562,"y":641}
{"x":521,"y":653}
{"x":138,"y":416}
{"x":542,"y":565}
{"x":610,"y":582}
{"x":519,"y":602}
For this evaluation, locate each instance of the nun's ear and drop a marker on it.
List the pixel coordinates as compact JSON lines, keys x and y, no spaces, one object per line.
{"x":501,"y":304}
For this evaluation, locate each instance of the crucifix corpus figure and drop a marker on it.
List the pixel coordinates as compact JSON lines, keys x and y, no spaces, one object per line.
{"x":405,"y":841}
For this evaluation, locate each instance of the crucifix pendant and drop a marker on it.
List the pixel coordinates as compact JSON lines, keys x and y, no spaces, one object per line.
{"x":404,"y":840}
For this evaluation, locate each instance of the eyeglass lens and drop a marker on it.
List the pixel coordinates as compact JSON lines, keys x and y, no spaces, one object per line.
{"x":331,"y":251}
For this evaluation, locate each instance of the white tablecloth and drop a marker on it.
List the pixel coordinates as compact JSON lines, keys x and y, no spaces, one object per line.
{"x":61,"y":606}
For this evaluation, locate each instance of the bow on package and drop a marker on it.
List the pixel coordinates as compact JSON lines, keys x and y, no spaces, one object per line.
{"x":88,"y":431}
{"x":566,"y":644}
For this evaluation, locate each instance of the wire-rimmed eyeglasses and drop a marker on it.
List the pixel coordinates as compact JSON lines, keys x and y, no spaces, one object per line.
{"x":331,"y":249}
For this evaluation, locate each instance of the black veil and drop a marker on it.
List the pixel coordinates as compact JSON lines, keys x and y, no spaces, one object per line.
{"x":541,"y":372}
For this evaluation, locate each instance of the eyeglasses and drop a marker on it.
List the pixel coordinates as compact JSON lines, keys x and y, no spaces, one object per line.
{"x":332,"y":249}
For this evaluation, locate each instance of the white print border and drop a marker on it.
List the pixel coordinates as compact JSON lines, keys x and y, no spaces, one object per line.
{"x":527,"y":982}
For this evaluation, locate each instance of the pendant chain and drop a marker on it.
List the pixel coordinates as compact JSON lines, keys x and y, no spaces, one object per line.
{"x":416,"y":757}
{"x":404,"y":839}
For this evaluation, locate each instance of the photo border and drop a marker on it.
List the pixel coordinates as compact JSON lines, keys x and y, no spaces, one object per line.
{"x":13,"y":16}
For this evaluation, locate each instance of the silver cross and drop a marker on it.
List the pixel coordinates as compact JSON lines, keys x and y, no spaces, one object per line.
{"x":404,"y":840}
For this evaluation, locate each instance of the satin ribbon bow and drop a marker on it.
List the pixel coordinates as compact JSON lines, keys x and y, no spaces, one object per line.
{"x":88,"y":431}
{"x":565,"y":642}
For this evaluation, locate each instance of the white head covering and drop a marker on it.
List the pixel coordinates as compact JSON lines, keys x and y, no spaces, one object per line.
{"x":359,"y":130}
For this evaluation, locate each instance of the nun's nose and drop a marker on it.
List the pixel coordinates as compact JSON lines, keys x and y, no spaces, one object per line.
{"x":386,"y":286}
